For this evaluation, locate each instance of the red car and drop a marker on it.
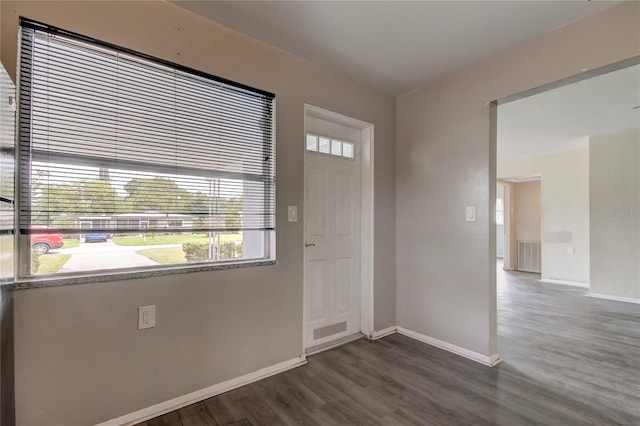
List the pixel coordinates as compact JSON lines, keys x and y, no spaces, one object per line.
{"x":42,"y":243}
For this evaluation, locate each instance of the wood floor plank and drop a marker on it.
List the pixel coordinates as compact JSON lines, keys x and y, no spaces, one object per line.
{"x":196,"y":415}
{"x":568,"y":360}
{"x":223,"y":409}
{"x":169,"y":419}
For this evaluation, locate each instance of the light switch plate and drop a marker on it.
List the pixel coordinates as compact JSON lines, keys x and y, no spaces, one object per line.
{"x":292,"y":213}
{"x":471,"y":214}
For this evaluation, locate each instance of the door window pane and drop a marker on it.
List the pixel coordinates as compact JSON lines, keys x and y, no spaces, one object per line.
{"x":347,"y":149}
{"x":336,"y":147}
{"x":325,"y":145}
{"x":312,"y":142}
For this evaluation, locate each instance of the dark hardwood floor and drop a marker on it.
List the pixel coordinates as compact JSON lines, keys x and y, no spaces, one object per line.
{"x":568,"y":360}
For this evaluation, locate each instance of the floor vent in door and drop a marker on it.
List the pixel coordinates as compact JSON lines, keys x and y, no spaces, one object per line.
{"x":329,"y":330}
{"x":529,"y":256}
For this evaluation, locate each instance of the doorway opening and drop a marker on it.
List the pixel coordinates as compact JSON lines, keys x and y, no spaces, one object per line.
{"x":338,"y":229}
{"x":518,"y":224}
{"x":564,"y":155}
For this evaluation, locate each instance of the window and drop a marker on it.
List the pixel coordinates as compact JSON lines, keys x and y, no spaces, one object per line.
{"x":327,"y":145}
{"x":166,"y":164}
{"x":499,"y":211}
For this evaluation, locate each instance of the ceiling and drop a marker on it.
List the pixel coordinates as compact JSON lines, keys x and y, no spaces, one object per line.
{"x":563,"y":118}
{"x":393,"y":46}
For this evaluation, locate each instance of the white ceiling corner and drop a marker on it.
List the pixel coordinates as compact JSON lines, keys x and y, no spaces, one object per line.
{"x":396,"y":47}
{"x":393,"y":46}
{"x":562,"y":119}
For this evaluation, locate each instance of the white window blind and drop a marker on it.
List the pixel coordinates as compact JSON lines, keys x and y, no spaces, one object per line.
{"x":107,"y":132}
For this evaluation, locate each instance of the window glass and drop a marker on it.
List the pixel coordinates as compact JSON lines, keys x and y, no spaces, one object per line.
{"x":499,"y":211}
{"x":325,"y":145}
{"x":347,"y":149}
{"x":336,"y":147}
{"x":312,"y":142}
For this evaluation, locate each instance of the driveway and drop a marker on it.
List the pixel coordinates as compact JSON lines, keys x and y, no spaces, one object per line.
{"x":96,"y":256}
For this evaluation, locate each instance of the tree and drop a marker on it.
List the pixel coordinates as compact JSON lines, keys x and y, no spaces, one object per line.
{"x":232,"y":208}
{"x":52,"y":200}
{"x":198,"y":206}
{"x":98,"y":196}
{"x":54,"y":203}
{"x":156,"y":194}
{"x":62,"y":203}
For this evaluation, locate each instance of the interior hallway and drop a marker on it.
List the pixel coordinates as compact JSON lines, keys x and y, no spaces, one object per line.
{"x":568,"y":359}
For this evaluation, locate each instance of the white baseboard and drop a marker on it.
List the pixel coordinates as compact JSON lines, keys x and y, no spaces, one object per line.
{"x":202,"y":394}
{"x":379,"y":334}
{"x":490,"y":360}
{"x":616,"y":298}
{"x":564,"y":282}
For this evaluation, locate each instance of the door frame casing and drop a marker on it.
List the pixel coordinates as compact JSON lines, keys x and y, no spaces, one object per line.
{"x":366,"y":158}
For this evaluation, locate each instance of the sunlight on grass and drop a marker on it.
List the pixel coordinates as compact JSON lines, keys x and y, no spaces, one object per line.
{"x":51,"y":263}
{"x":71,"y":243}
{"x":164,"y":256}
{"x":171,"y":239}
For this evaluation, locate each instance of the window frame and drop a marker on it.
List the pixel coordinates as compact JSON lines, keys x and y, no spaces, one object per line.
{"x":22,"y":243}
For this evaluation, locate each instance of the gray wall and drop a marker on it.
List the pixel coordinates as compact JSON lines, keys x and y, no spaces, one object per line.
{"x":615,"y":214}
{"x":79,"y":357}
{"x":445,"y":160}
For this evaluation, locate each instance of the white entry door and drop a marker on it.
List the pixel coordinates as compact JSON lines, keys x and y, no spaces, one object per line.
{"x":332,"y":237}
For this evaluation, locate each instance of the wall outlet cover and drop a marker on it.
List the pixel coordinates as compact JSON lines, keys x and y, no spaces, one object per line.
{"x":146,"y":317}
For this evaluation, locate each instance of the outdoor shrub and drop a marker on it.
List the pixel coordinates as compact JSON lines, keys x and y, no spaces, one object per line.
{"x":198,"y":252}
{"x":35,"y":261}
{"x":230,"y":250}
{"x":195,"y":252}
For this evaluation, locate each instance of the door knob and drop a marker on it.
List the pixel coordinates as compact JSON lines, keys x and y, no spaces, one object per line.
{"x":309,"y":245}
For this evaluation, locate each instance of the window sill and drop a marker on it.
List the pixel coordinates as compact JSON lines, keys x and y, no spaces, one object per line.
{"x":106,"y":276}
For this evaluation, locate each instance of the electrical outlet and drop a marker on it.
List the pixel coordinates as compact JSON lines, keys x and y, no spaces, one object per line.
{"x":146,"y":317}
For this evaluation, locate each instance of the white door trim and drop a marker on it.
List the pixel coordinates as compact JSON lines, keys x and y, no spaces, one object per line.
{"x":366,"y":159}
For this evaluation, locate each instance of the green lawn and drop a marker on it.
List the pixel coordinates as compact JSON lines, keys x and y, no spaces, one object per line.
{"x":51,"y":263}
{"x":164,"y":256}
{"x":171,"y":239}
{"x":70,"y":243}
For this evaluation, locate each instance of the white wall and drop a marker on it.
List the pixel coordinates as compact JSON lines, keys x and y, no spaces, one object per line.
{"x":615,"y":214}
{"x":527,"y":211}
{"x":445,"y":160}
{"x":564,"y":210}
{"x":79,"y":357}
{"x":500,"y":227}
